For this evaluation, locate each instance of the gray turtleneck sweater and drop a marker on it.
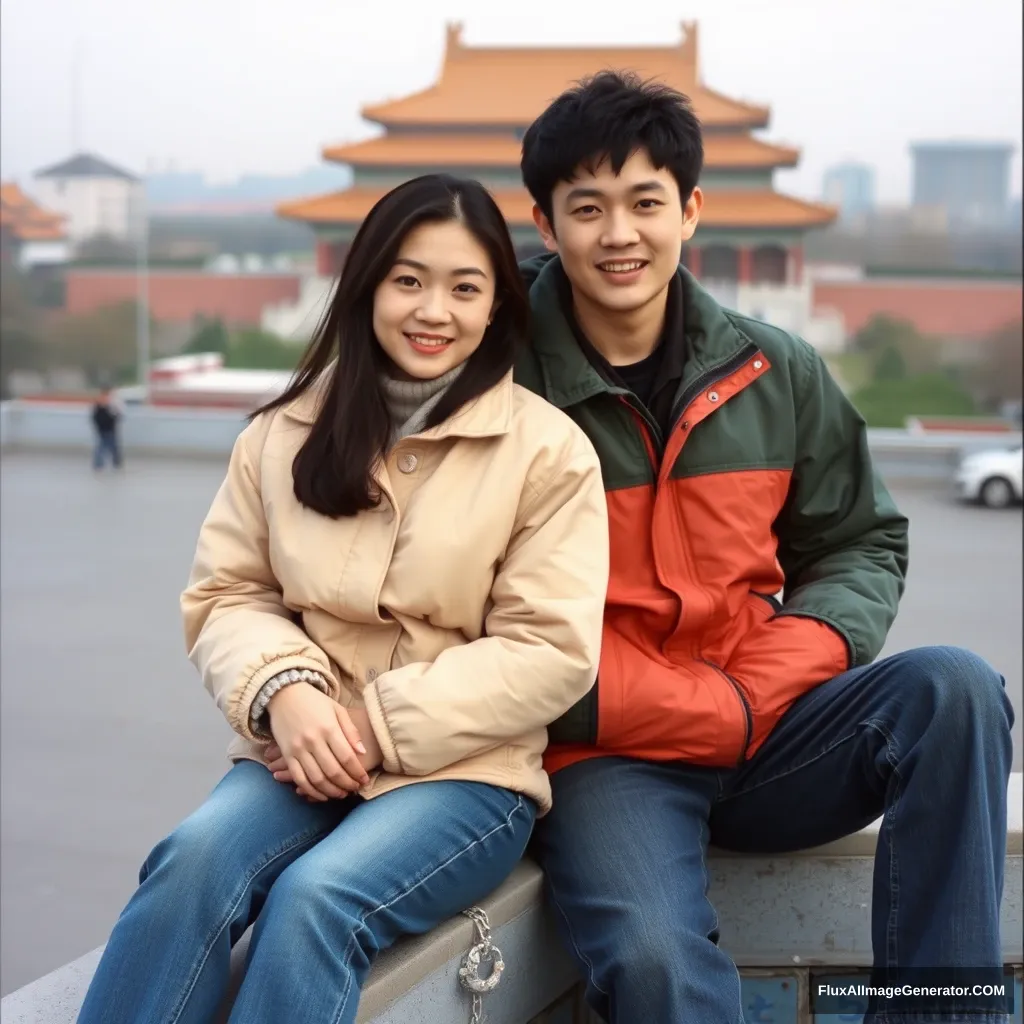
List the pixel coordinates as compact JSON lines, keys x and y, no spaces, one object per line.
{"x":410,"y":402}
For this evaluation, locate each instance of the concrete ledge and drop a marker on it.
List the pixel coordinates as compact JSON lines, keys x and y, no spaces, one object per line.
{"x":210,"y":433}
{"x":793,"y":912}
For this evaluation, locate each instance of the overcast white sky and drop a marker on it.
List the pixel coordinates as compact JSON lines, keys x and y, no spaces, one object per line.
{"x":234,"y":86}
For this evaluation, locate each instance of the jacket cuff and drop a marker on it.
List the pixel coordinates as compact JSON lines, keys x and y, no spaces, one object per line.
{"x":382,"y":730}
{"x":259,"y":720}
{"x":241,"y":708}
{"x":832,"y":638}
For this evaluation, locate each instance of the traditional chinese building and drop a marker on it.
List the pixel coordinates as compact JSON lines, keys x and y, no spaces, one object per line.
{"x":471,"y":122}
{"x":28,"y":233}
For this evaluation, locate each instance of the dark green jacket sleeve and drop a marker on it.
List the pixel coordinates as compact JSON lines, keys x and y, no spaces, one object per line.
{"x":843,"y":544}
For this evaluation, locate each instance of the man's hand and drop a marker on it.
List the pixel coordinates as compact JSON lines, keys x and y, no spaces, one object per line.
{"x":278,"y":763}
{"x":317,"y":741}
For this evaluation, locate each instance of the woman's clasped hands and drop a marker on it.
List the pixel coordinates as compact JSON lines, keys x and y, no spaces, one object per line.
{"x":322,"y":748}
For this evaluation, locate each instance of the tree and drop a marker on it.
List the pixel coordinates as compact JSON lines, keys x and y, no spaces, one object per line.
{"x":890,"y":365}
{"x":210,"y":337}
{"x":920,"y":354}
{"x":253,"y":349}
{"x":101,"y":343}
{"x":21,"y":347}
{"x":105,"y":250}
{"x":996,"y":376}
{"x":888,"y":403}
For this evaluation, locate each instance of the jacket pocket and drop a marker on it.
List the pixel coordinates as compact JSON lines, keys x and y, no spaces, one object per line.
{"x":748,"y":711}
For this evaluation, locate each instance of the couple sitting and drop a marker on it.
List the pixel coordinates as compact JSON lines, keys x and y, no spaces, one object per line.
{"x":503,"y":565}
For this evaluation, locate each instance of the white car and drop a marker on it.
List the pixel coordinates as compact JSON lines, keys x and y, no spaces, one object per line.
{"x":992,"y":478}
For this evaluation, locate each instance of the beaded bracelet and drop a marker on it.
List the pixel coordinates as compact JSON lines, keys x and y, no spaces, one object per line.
{"x":293,"y":675}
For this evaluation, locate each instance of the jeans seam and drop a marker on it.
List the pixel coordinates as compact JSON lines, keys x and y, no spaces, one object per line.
{"x":705,"y":835}
{"x":520,"y":805}
{"x":891,"y":933}
{"x":575,"y":945}
{"x":206,"y":949}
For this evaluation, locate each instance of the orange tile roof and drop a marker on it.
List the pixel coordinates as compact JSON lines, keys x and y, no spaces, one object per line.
{"x":40,"y":232}
{"x":512,"y":85}
{"x":722,"y":209}
{"x":472,"y":150}
{"x":25,"y":220}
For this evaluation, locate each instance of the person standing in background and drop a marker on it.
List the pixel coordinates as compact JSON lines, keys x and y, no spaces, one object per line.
{"x":106,"y":417}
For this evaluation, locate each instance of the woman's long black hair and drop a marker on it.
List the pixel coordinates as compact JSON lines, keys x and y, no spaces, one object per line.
{"x":333,"y":469}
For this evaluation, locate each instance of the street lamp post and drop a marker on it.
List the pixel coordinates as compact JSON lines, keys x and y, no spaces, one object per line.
{"x":142,"y":299}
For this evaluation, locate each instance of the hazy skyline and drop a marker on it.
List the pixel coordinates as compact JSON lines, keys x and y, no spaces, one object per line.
{"x":228,"y":87}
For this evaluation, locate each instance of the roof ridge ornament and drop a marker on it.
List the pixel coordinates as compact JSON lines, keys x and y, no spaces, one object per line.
{"x":688,"y":47}
{"x":453,"y":37}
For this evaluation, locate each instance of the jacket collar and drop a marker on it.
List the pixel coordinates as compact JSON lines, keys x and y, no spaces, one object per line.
{"x":487,"y":415}
{"x":569,"y":377}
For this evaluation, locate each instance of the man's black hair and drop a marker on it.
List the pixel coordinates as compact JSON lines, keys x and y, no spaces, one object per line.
{"x":610,"y":116}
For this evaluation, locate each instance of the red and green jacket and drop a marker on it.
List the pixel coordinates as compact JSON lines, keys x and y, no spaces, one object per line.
{"x":754,"y":555}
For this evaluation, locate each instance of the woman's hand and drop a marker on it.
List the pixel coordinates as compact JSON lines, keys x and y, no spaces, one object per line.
{"x":318,"y":742}
{"x":278,"y":763}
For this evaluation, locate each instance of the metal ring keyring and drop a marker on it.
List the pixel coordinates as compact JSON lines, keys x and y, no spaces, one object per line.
{"x":469,"y":973}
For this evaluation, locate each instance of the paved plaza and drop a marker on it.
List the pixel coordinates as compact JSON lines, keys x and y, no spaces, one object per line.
{"x":108,"y":739}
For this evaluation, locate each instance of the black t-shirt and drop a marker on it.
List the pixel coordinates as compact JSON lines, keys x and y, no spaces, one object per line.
{"x":654,"y":380}
{"x":642,"y":378}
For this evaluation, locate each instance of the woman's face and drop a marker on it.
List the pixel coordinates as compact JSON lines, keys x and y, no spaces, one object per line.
{"x":431,"y":310}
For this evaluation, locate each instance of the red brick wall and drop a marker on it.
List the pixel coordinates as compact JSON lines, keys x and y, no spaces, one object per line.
{"x":945,"y":308}
{"x":330,"y":257}
{"x":177,"y":296}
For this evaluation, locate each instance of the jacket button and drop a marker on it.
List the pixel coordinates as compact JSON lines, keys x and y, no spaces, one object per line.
{"x":712,"y":396}
{"x":371,"y":675}
{"x":758,"y":364}
{"x":407,"y":463}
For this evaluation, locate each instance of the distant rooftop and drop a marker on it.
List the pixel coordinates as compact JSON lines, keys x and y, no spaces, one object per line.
{"x":25,"y":219}
{"x":85,"y":165}
{"x":962,"y":146}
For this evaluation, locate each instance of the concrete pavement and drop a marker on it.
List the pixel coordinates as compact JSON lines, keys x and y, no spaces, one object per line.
{"x":107,"y":738}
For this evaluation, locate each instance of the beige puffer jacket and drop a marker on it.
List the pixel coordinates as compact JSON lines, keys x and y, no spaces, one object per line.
{"x":465,"y":612}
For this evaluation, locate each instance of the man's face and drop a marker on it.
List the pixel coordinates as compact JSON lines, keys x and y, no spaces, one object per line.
{"x":619,"y":236}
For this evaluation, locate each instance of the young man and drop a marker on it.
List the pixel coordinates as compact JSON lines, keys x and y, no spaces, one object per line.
{"x":736,"y":471}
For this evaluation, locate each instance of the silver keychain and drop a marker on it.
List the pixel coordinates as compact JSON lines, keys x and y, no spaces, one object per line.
{"x":483,"y":951}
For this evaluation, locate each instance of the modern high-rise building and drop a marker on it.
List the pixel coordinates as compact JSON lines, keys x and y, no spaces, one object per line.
{"x":851,"y":188}
{"x":969,"y":181}
{"x":1014,"y":217}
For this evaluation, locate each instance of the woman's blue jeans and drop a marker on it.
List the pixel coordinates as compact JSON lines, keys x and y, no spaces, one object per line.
{"x":328,"y":885}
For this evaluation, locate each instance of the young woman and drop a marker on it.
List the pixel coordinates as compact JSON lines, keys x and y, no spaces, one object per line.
{"x":399,"y":585}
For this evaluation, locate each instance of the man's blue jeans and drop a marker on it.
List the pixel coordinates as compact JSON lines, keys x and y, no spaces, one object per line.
{"x":328,"y":885}
{"x":921,"y":739}
{"x":107,"y":446}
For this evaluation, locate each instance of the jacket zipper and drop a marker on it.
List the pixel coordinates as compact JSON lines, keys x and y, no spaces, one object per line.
{"x":710,"y":377}
{"x":747,"y":710}
{"x":629,"y":400}
{"x":699,"y":384}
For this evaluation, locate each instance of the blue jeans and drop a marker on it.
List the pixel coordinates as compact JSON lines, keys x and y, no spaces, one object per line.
{"x":106,"y":445}
{"x":328,"y":885}
{"x":921,"y":739}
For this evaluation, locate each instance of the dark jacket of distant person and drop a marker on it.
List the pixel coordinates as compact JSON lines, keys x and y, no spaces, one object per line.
{"x":105,"y":416}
